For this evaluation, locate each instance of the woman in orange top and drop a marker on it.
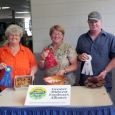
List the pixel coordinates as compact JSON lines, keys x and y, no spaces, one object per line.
{"x":13,"y":54}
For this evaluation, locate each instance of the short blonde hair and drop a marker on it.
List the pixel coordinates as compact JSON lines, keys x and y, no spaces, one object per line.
{"x":14,"y":29}
{"x":58,"y":28}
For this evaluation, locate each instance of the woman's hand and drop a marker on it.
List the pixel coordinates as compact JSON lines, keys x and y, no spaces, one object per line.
{"x":33,"y":77}
{"x":2,"y":66}
{"x":42,"y":56}
{"x":41,"y":62}
{"x":83,"y":57}
{"x":33,"y":71}
{"x":61,"y":72}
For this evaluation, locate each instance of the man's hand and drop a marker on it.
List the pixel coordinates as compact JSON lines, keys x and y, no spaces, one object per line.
{"x":83,"y":57}
{"x":102,"y":74}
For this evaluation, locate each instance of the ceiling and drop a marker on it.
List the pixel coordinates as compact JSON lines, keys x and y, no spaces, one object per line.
{"x":15,"y":6}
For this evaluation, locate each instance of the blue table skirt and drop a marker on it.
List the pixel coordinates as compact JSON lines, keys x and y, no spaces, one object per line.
{"x":104,"y":110}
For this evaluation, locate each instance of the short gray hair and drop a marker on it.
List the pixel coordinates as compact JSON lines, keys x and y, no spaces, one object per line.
{"x":14,"y":29}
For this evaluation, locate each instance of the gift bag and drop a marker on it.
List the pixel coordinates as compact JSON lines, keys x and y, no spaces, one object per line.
{"x":6,"y":78}
{"x":50,"y":60}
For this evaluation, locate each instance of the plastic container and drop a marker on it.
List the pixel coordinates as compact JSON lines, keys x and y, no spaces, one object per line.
{"x":22,"y":81}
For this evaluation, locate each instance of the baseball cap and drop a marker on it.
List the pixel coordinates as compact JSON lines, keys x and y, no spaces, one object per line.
{"x":94,"y":16}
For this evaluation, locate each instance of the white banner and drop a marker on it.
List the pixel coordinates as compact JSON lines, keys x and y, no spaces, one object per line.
{"x":48,"y":95}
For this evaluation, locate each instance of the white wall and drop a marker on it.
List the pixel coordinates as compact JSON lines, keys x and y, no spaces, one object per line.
{"x":71,"y":14}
